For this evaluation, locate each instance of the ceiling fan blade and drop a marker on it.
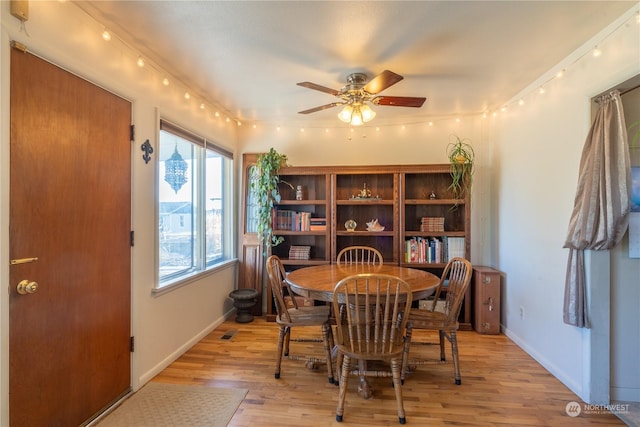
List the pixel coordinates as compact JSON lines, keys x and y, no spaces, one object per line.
{"x":382,"y":81}
{"x":320,"y":108}
{"x":399,"y":101}
{"x":314,"y":86}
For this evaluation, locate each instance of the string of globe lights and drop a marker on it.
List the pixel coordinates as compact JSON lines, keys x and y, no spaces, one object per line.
{"x":543,"y":83}
{"x":539,"y":88}
{"x":167,"y":80}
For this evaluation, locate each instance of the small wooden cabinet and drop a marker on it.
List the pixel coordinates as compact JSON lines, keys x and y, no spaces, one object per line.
{"x":401,"y":197}
{"x":486,"y":297}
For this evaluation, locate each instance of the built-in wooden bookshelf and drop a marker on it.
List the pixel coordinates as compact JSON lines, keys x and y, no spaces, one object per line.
{"x":315,"y":203}
{"x":398,"y":196}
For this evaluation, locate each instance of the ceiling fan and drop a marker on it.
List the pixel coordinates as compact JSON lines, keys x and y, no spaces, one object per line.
{"x":357,"y":93}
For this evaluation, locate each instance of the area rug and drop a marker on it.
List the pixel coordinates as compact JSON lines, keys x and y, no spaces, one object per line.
{"x":171,"y":405}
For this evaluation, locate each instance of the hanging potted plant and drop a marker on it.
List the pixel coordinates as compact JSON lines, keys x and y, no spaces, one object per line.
{"x":461,"y":156}
{"x":265,"y":190}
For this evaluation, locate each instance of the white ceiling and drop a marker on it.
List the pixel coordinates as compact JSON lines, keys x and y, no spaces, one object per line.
{"x":465,"y":57}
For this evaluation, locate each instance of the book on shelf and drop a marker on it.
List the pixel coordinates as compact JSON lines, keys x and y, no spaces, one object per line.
{"x":426,"y":250}
{"x":283,"y":219}
{"x":431,"y":224}
{"x":456,"y":247}
{"x":317,"y":224}
{"x":300,"y":252}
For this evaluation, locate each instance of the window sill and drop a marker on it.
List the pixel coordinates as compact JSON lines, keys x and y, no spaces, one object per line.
{"x":194,"y":278}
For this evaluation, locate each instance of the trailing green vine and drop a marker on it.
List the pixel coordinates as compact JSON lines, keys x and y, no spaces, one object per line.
{"x":265,"y":191}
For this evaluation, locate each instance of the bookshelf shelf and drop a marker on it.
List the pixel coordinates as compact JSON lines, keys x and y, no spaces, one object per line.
{"x":301,"y":202}
{"x":408,"y":233}
{"x":364,"y":202}
{"x":299,"y":233}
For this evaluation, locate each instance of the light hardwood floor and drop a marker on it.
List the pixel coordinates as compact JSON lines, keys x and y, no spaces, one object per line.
{"x":501,"y":384}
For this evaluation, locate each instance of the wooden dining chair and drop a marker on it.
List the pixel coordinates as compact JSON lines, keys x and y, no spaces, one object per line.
{"x":289,"y":316}
{"x":359,"y":255}
{"x":454,"y":283}
{"x":372,"y":329}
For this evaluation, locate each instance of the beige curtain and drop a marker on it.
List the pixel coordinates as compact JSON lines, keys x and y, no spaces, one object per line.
{"x":601,"y":207}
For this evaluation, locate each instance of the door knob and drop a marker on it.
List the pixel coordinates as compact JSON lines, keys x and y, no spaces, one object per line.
{"x":26,"y":287}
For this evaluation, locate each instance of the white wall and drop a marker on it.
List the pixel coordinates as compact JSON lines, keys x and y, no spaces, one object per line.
{"x":535,"y":153}
{"x":165,"y":325}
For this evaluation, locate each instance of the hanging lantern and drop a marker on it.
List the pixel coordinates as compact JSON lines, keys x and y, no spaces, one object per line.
{"x":175,"y":171}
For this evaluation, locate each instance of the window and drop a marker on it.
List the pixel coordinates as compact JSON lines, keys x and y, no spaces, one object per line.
{"x":194,"y":205}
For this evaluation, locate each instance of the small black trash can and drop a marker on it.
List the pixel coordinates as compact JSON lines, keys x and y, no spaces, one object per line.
{"x":243,"y":301}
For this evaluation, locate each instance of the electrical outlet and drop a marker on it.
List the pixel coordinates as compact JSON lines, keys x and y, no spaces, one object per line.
{"x":522,"y":312}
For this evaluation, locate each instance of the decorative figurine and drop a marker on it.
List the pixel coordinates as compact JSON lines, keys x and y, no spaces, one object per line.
{"x":365,"y":193}
{"x":373,"y":225}
{"x":299,"y":192}
{"x":432,"y":196}
{"x":350,"y":225}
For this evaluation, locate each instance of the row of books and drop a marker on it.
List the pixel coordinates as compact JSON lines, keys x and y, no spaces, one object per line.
{"x":297,"y":221}
{"x":300,"y":252}
{"x":433,"y":249}
{"x":432,"y":224}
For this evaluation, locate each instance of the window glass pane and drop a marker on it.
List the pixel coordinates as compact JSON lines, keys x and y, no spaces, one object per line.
{"x":195,"y":226}
{"x":252,"y":205}
{"x":178,"y":214}
{"x":214,"y":174}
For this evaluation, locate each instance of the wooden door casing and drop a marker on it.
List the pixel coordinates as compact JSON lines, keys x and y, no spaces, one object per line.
{"x":251,"y":249}
{"x":70,"y":206}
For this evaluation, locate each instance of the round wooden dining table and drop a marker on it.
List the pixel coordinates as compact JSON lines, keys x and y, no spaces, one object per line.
{"x":317,"y":282}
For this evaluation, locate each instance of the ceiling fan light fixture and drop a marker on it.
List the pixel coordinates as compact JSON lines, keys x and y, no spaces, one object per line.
{"x":356,"y":117}
{"x":367,"y":113}
{"x":346,"y":113}
{"x":357,"y":94}
{"x":356,"y":114}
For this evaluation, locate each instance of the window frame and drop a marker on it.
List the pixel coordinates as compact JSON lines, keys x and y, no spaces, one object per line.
{"x":202,"y":147}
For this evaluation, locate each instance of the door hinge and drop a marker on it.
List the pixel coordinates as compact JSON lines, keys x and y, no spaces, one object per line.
{"x":133,"y":133}
{"x":17,"y":45}
{"x":131,"y":344}
{"x":131,"y":237}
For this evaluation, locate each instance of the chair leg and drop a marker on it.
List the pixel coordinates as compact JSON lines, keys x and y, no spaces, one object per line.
{"x":281,"y":336}
{"x":396,"y":367}
{"x":443,"y":356}
{"x":339,"y":360}
{"x":332,"y":341}
{"x":454,"y":350}
{"x":344,"y":379}
{"x":327,"y":340}
{"x":287,"y":339}
{"x":405,"y":353}
{"x":364,"y":387}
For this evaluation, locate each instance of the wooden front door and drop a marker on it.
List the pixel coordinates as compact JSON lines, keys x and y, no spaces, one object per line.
{"x":70,"y":221}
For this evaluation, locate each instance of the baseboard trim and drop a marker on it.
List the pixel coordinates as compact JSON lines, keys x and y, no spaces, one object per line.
{"x":147,"y":376}
{"x":553,"y":369}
